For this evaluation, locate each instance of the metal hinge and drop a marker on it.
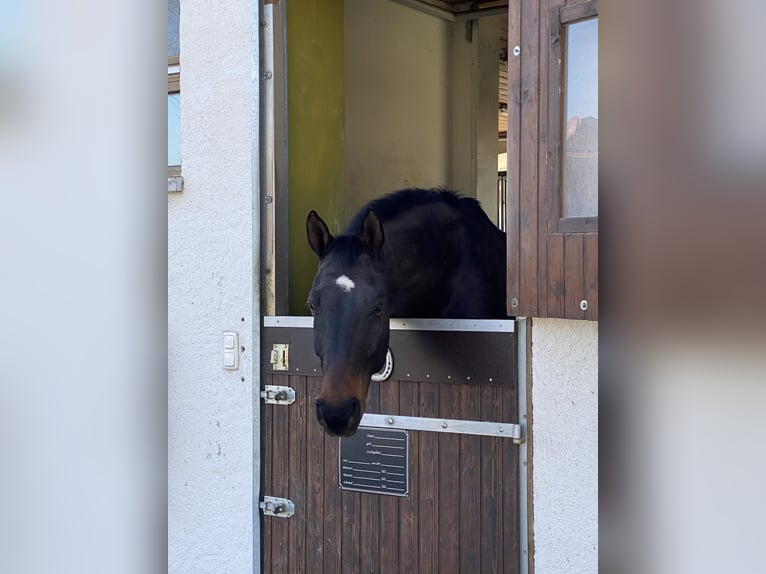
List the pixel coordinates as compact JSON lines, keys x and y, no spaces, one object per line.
{"x":279,"y":356}
{"x":279,"y":507}
{"x":277,"y":395}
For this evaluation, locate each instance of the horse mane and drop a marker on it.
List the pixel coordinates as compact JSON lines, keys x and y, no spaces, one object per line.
{"x":393,"y":204}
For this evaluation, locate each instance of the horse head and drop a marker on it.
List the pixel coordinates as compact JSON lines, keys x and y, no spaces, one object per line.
{"x":348,"y":300}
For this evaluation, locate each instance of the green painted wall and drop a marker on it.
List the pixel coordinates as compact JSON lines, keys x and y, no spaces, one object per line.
{"x":315,"y":131}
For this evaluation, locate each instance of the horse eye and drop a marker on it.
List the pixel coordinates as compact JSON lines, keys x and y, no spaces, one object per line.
{"x":378,"y":309}
{"x":312,"y":308}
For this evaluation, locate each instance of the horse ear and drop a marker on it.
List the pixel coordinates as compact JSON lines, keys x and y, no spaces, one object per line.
{"x":371,"y":231}
{"x":318,"y":234}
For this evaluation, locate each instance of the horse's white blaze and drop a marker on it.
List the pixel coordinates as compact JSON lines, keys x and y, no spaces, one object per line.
{"x":345,"y":284}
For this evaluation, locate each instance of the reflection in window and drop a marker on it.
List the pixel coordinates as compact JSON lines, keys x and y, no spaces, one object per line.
{"x":580,"y":162}
{"x":173,"y":12}
{"x":174,"y":129}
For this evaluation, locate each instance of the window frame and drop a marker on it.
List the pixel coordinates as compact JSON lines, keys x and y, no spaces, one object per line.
{"x":559,"y":19}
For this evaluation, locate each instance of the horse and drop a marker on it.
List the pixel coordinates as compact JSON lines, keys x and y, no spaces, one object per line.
{"x":412,"y":253}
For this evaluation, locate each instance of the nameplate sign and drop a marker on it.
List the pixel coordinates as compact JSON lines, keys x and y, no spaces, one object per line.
{"x":376,"y":461}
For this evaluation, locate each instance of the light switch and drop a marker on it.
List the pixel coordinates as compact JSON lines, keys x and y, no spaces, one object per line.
{"x":229,"y":340}
{"x":230,"y":350}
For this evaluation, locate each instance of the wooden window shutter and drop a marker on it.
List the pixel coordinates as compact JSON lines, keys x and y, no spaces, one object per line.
{"x":552,"y":262}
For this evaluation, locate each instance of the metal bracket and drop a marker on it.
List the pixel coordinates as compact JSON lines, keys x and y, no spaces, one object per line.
{"x":277,"y":395}
{"x":279,"y":507}
{"x":280,"y":360}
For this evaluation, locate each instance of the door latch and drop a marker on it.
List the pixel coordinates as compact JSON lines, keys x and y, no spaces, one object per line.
{"x":278,"y":395}
{"x":279,"y":507}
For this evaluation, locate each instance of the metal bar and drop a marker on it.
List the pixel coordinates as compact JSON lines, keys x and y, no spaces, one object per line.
{"x":266,"y":25}
{"x":475,"y":325}
{"x":454,"y":426}
{"x":256,"y":369}
{"x":522,"y":342}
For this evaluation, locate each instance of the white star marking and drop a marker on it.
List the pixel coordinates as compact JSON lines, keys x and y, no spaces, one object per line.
{"x":345,"y":284}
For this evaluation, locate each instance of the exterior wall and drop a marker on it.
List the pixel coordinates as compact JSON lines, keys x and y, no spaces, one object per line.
{"x":213,"y":451}
{"x":565,"y":445}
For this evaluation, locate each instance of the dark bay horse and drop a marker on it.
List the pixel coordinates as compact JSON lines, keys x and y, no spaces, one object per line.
{"x":413,"y":253}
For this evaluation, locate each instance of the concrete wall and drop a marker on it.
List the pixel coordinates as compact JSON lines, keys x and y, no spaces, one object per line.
{"x":315,"y":93}
{"x":420,"y":103}
{"x":565,"y":445}
{"x":397,"y":104}
{"x":213,"y":455}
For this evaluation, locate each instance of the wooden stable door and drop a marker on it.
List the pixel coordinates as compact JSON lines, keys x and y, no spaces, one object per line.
{"x":460,"y":512}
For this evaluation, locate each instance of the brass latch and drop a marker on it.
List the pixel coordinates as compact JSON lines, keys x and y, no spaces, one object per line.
{"x":279,"y":356}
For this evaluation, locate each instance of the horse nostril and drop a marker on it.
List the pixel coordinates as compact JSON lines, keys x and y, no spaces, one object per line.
{"x":355,"y":411}
{"x":319,"y":404}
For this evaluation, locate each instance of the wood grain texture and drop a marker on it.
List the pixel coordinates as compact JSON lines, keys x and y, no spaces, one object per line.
{"x":461,"y":492}
{"x":528,"y":163}
{"x":590,"y":275}
{"x":296,"y":441}
{"x":314,"y":471}
{"x":573,"y":276}
{"x":428,"y":465}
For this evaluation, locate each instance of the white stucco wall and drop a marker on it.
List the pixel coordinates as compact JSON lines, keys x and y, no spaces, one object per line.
{"x":565,"y":445}
{"x":212,"y":452}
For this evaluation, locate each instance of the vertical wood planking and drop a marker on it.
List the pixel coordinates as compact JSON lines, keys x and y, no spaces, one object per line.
{"x":389,"y":505}
{"x":489,"y":487}
{"x":333,"y":503}
{"x":370,"y":506}
{"x":555,"y":276}
{"x":513,"y":193}
{"x":449,"y":485}
{"x":573,"y":276}
{"x":428,"y":465}
{"x":280,"y":458}
{"x":510,"y":474}
{"x":314,"y":555}
{"x":350,"y":526}
{"x":543,"y":225}
{"x":591,"y":275}
{"x":268,"y":483}
{"x":408,"y":507}
{"x":470,"y":477}
{"x":529,"y":140}
{"x":297,"y":474}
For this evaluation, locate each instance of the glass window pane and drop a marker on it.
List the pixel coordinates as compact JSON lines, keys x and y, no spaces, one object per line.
{"x":174,"y":129}
{"x":580,"y":162}
{"x":173,"y":12}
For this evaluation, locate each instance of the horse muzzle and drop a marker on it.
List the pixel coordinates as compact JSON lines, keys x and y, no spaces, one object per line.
{"x":339,"y":419}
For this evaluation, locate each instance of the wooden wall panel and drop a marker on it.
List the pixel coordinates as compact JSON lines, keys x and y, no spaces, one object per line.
{"x":542,"y":262}
{"x":461,"y":515}
{"x":315,"y":470}
{"x":449,"y":485}
{"x":389,"y":505}
{"x":296,"y":442}
{"x":370,"y":508}
{"x":513,"y":192}
{"x":590,"y":275}
{"x":409,"y":541}
{"x":573,"y":276}
{"x":428,"y":482}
